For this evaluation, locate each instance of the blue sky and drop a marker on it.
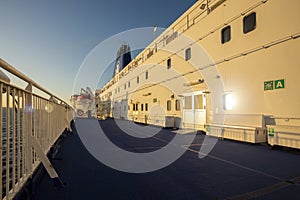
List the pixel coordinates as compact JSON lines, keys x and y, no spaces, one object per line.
{"x":49,"y":40}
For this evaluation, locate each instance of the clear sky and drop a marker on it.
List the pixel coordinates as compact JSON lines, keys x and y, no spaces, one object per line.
{"x":48,"y":40}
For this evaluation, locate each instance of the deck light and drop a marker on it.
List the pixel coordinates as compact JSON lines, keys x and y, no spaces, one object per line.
{"x":228,"y":101}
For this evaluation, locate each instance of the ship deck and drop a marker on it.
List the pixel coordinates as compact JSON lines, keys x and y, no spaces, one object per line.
{"x":232,"y":170}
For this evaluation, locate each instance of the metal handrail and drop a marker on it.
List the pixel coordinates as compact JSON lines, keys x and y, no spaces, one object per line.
{"x":233,"y":127}
{"x":14,"y":71}
{"x":285,"y":118}
{"x":29,"y":124}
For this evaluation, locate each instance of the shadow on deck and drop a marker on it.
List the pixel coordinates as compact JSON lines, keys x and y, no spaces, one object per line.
{"x":233,"y":170}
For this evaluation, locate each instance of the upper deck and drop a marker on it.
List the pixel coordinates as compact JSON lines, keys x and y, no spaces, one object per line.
{"x":232,"y":170}
{"x":39,"y":162}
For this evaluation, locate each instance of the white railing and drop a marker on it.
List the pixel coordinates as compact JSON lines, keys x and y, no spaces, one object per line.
{"x":30,"y":124}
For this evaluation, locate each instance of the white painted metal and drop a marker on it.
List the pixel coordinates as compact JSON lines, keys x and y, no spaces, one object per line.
{"x":239,"y":133}
{"x":284,"y":134}
{"x":29,"y":125}
{"x":194,"y":117}
{"x":243,"y":69}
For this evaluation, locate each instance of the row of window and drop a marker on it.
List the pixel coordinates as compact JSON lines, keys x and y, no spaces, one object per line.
{"x":136,"y":107}
{"x":177,"y":105}
{"x":117,"y":90}
{"x":198,"y":102}
{"x":144,"y":107}
{"x":249,"y":24}
{"x":188,"y":55}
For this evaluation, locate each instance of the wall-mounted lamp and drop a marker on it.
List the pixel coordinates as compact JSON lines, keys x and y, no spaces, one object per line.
{"x":199,"y":81}
{"x":147,"y":94}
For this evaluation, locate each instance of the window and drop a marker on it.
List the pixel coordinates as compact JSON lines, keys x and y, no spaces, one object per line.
{"x":128,"y":107}
{"x":188,"y":54}
{"x":133,"y":107}
{"x":128,"y":84}
{"x":177,"y":105}
{"x":142,"y":107}
{"x":198,"y":99}
{"x":146,"y":75}
{"x":168,"y":105}
{"x":169,"y":63}
{"x":124,"y":86}
{"x":188,"y":102}
{"x":136,"y":107}
{"x":226,"y":34}
{"x":137,"y":80}
{"x":146,"y":107}
{"x":249,"y":22}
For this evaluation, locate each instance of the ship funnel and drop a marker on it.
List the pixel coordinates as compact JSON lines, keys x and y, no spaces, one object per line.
{"x":123,"y":58}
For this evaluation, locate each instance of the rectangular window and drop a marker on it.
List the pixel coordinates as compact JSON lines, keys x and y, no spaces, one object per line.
{"x":169,"y":63}
{"x":133,"y":107}
{"x":188,"y":54}
{"x":168,"y":105}
{"x":137,"y":80}
{"x":188,"y":102}
{"x":128,"y":107}
{"x":146,"y":75}
{"x":226,"y":34}
{"x":142,"y":107}
{"x":128,"y":84}
{"x":124,"y":86}
{"x":198,"y":101}
{"x":146,"y":107}
{"x":136,"y":107}
{"x":177,"y":105}
{"x":249,"y":23}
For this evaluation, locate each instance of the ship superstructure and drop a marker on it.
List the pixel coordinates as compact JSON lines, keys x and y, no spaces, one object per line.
{"x":224,"y":67}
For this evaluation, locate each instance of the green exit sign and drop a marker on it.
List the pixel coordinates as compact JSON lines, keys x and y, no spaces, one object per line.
{"x":279,"y":84}
{"x":268,"y":85}
{"x":274,"y":84}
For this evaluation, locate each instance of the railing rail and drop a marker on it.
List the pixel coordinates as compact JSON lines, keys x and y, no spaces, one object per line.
{"x":15,"y":72}
{"x":26,"y":118}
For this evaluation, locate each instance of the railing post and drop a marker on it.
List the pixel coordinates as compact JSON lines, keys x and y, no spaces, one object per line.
{"x":28,"y":123}
{"x":28,"y":130}
{"x":7,"y":141}
{"x":13,"y":118}
{"x":1,"y":143}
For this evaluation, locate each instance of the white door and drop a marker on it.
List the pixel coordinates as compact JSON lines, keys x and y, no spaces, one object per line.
{"x":124,"y":109}
{"x":194,"y":110}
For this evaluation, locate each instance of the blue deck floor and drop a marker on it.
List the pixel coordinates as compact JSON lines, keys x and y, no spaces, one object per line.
{"x":233,"y":170}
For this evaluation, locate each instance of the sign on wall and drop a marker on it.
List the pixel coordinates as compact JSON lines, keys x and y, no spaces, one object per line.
{"x":274,"y":84}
